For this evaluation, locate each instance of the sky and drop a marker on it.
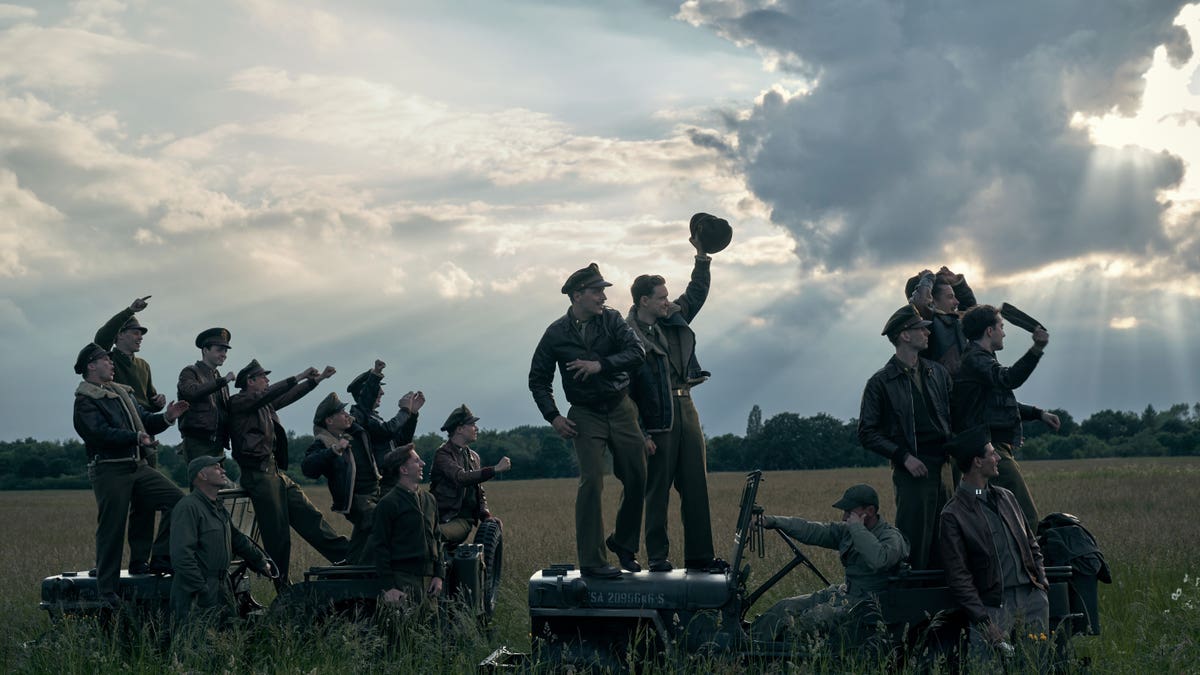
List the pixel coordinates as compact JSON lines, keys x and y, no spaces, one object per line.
{"x":336,"y":182}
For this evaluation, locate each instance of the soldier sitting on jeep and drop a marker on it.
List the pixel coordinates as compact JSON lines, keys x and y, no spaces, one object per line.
{"x":870,"y":549}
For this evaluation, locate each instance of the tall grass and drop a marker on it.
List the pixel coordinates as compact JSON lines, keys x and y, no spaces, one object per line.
{"x":1139,"y":509}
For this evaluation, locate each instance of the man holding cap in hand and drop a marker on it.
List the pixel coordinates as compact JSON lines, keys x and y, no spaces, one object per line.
{"x":870,"y":550}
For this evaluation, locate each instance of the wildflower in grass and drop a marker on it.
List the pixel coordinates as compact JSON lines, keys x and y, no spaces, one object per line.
{"x":1178,"y":592}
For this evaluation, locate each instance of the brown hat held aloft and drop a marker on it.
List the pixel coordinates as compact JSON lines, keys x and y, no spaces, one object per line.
{"x":132,"y":324}
{"x":712,"y":233}
{"x":856,"y":496}
{"x":88,"y":354}
{"x":458,"y":417}
{"x":252,"y":369}
{"x":213,"y":336}
{"x":588,"y":277}
{"x":330,"y":405}
{"x":902,"y":319}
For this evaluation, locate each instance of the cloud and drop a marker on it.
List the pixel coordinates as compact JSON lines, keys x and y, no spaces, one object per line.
{"x":316,"y":27}
{"x":927,"y":124}
{"x":29,"y":229}
{"x":8,"y":11}
{"x":61,"y":57}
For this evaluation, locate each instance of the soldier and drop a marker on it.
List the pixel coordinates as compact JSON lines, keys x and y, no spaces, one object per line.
{"x":457,"y":478}
{"x":948,"y":298}
{"x":383,"y":436}
{"x":205,"y":427}
{"x":114,"y":428}
{"x":203,"y":543}
{"x":404,"y":537}
{"x":595,"y":351}
{"x":123,"y":335}
{"x":870,"y":550}
{"x":983,"y":394}
{"x":905,"y":417}
{"x":341,"y":452}
{"x":260,"y":449}
{"x":661,"y":388}
{"x":992,"y":559}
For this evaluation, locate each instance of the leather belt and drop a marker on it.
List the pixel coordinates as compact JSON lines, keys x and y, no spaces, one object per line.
{"x":682,"y":392}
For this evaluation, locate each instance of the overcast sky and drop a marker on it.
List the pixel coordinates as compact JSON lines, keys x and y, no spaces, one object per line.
{"x":339,"y":181}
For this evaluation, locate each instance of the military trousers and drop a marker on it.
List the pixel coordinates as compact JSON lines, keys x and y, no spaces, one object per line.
{"x":679,"y":460}
{"x":415,"y":588}
{"x":456,"y":530}
{"x":362,"y":516}
{"x":141,"y":520}
{"x":201,"y":447}
{"x":280,"y":505}
{"x":1023,"y":610}
{"x":919,"y":503}
{"x":615,"y":429}
{"x":1011,"y":479}
{"x":815,"y":612}
{"x":118,"y":486}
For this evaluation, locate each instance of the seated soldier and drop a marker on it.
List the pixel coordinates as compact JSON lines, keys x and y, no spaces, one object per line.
{"x":457,"y":479}
{"x":404,"y":536}
{"x":870,"y":550}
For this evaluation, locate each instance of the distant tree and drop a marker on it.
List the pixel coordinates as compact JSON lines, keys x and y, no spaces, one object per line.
{"x":725,"y":453}
{"x":1108,"y":425}
{"x":754,"y":423}
{"x":1034,"y":429}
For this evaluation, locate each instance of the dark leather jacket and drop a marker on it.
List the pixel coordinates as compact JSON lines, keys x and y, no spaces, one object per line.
{"x":103,"y":424}
{"x":650,"y":387}
{"x":946,"y":339}
{"x":451,"y":478}
{"x":254,"y":427}
{"x":381,"y":433}
{"x":983,"y":394}
{"x":969,"y":555}
{"x":885,"y":420}
{"x":208,"y":396}
{"x":611,"y":342}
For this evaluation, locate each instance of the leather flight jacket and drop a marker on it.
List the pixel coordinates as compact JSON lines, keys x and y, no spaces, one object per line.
{"x":254,"y":427}
{"x":983,"y":394}
{"x":207,"y":418}
{"x":610,"y":341}
{"x":885,"y":420}
{"x":451,"y":478}
{"x":105,"y":426}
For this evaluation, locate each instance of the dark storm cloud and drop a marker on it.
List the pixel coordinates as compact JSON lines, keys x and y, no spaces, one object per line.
{"x":932,"y":121}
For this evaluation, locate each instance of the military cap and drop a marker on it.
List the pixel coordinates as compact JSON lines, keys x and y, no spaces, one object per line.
{"x":969,"y":444}
{"x":713,"y":233}
{"x":902,"y":319}
{"x":88,"y":354}
{"x":213,"y":336}
{"x":588,"y":277}
{"x":356,"y":385}
{"x":199,"y":464}
{"x":458,"y":417}
{"x":856,"y":496}
{"x":330,"y":405}
{"x":252,"y":369}
{"x":132,"y":324}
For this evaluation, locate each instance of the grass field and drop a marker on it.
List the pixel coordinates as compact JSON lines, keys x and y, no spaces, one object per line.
{"x":1142,"y":512}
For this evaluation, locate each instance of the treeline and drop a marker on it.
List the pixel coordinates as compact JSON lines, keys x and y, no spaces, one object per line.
{"x":784,"y":442}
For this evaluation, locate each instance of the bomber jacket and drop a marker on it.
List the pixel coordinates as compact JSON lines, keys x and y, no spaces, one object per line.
{"x":869,"y":555}
{"x":254,"y":426}
{"x":946,"y":340}
{"x":350,"y":472}
{"x":969,"y":554}
{"x":452,"y":477}
{"x":610,"y":341}
{"x":105,"y":425}
{"x":129,"y":370}
{"x":983,"y":394}
{"x":208,"y":396}
{"x":650,"y":387}
{"x":380,"y":433}
{"x":885,"y":420}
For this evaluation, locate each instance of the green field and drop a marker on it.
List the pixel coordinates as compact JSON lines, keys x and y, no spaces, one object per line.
{"x":1141,"y":510}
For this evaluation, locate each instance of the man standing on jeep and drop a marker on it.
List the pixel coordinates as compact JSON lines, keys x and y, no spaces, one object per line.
{"x":205,"y":427}
{"x":905,"y":417}
{"x":871,"y":550}
{"x":662,"y":389}
{"x":595,"y":351}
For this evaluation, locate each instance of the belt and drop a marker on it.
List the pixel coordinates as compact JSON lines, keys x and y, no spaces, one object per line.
{"x":683,"y":392}
{"x":607,"y":405}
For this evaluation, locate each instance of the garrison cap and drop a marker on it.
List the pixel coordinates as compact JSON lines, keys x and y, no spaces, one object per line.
{"x":132,"y":324}
{"x":458,"y":417}
{"x":856,"y":496}
{"x":213,"y":336}
{"x":330,"y":405}
{"x":969,"y":444}
{"x":252,"y":369}
{"x":88,"y":354}
{"x":201,"y":463}
{"x":902,"y":319}
{"x":713,"y":233}
{"x":356,"y":385}
{"x":588,"y":277}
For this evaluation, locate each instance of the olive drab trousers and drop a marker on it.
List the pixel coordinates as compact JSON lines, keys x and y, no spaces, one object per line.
{"x":118,"y":486}
{"x":280,"y":505}
{"x":201,"y":447}
{"x":919,"y":503}
{"x":616,"y":430}
{"x":361,"y":516}
{"x":679,"y":459}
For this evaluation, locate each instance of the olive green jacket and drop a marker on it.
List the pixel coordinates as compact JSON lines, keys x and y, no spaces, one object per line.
{"x":405,"y":537}
{"x":870,"y":556}
{"x":128,"y":370}
{"x":203,"y":542}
